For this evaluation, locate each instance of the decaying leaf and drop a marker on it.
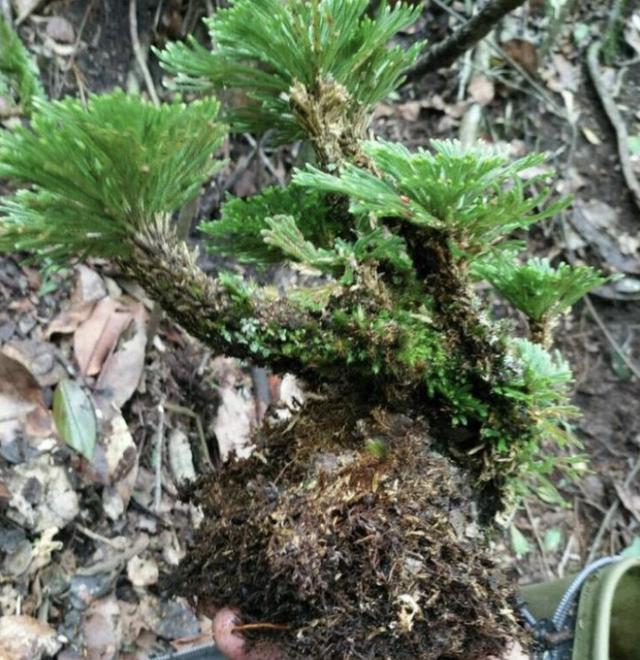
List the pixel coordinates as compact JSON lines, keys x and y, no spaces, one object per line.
{"x":41,"y":495}
{"x":25,"y":638}
{"x":122,"y":371}
{"x":95,"y":338}
{"x":22,"y":408}
{"x":40,"y":358}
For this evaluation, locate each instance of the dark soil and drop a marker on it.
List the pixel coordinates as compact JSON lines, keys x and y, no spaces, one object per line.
{"x":361,"y":552}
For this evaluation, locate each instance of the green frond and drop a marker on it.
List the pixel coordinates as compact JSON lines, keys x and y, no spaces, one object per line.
{"x":263,"y":47}
{"x":476,"y":196}
{"x":544,"y":376}
{"x":536,"y":287}
{"x":283,"y":233}
{"x":19,"y":75}
{"x":100,"y":173}
{"x":239,"y":232}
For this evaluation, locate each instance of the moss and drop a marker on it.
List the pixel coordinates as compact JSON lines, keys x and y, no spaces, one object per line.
{"x":361,"y":553}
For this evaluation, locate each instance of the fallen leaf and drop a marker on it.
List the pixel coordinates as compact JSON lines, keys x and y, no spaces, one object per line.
{"x":95,"y":338}
{"x":180,"y":457}
{"x":102,"y":629}
{"x":142,"y":572}
{"x":592,"y":138}
{"x":121,"y":464}
{"x":59,"y":29}
{"x":24,"y":8}
{"x":122,"y":371}
{"x":75,"y":417}
{"x":481,"y":89}
{"x":630,"y":500}
{"x":22,"y":408}
{"x":40,"y":358}
{"x":69,"y":319}
{"x":41,"y":495}
{"x":523,"y":52}
{"x":599,"y":224}
{"x":89,"y":287}
{"x":409,"y":111}
{"x":25,"y":638}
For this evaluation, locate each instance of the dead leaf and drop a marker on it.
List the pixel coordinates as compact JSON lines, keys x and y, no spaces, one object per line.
{"x":22,"y":408}
{"x":120,"y":463}
{"x":39,"y":358}
{"x":568,"y":74}
{"x":41,"y":495}
{"x":599,"y":225}
{"x":24,"y":8}
{"x":95,"y":338}
{"x":60,"y":30}
{"x":630,"y":500}
{"x":592,"y":138}
{"x":523,"y":52}
{"x":142,"y":572}
{"x":102,"y":629}
{"x":122,"y":371}
{"x":180,"y":457}
{"x":409,"y":111}
{"x":481,"y":89}
{"x":90,"y":287}
{"x":236,"y":414}
{"x":69,"y":319}
{"x":25,"y":638}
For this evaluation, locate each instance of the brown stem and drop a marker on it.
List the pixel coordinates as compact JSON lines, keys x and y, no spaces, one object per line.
{"x":259,"y":626}
{"x":448,"y":51}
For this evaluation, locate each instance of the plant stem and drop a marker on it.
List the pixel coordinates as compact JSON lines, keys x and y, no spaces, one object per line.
{"x":448,"y":51}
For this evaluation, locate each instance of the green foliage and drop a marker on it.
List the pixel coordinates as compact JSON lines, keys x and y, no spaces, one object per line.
{"x":475,"y":196}
{"x":239,"y":232}
{"x":300,"y":225}
{"x":536,"y":287}
{"x":19,"y":82}
{"x":263,"y":47}
{"x":102,"y":173}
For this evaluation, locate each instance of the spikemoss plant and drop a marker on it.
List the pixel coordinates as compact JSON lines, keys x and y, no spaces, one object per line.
{"x":397,"y":238}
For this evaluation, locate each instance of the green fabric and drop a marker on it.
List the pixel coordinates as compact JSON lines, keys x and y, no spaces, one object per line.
{"x":608,"y":618}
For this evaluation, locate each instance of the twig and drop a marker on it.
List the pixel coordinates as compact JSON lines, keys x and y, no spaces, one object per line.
{"x":204,"y":449}
{"x":139,"y":54}
{"x":157,"y":495}
{"x":613,"y":509}
{"x":447,"y":52}
{"x":633,"y":367}
{"x":97,"y":537}
{"x":539,"y":542}
{"x":616,"y":119}
{"x":553,"y":106}
{"x":259,"y":626}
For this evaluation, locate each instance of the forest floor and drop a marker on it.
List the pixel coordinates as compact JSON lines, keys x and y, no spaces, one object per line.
{"x":84,"y":543}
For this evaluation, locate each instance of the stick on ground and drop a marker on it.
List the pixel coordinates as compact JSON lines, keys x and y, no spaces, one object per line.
{"x":448,"y":51}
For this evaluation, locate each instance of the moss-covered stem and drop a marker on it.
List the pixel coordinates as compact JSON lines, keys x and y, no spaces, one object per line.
{"x":264,"y":327}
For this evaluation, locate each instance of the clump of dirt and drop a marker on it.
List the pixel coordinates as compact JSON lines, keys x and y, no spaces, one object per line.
{"x":347,"y":528}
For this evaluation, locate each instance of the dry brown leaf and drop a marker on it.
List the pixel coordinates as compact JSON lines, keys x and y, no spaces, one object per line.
{"x":89,"y":287}
{"x":22,"y":407}
{"x":39,"y":358}
{"x":122,"y":371}
{"x":523,"y":52}
{"x":41,"y":495}
{"x":70,"y":319}
{"x":60,"y":30}
{"x":481,"y":89}
{"x":25,"y":638}
{"x":97,"y":336}
{"x":102,"y":629}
